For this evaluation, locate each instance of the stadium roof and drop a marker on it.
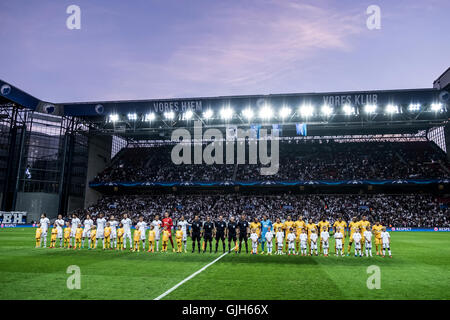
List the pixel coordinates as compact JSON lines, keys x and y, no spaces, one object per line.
{"x":351,"y":112}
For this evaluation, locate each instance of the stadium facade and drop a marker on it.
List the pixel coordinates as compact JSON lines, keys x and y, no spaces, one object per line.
{"x":51,"y":152}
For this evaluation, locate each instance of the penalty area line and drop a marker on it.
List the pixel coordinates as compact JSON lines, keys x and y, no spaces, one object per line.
{"x":190,"y":277}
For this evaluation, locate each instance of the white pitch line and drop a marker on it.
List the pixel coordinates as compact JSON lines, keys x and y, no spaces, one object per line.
{"x":190,"y":277}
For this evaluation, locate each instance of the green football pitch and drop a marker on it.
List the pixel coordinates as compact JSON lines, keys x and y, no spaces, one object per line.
{"x":419,"y":269}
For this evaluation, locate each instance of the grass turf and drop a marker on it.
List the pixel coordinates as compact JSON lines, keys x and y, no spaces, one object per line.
{"x":420,"y":269}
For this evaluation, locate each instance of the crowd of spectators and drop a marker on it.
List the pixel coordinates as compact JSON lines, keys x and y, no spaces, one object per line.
{"x":298,"y":161}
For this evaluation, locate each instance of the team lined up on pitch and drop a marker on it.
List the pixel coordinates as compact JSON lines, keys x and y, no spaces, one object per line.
{"x":290,"y":237}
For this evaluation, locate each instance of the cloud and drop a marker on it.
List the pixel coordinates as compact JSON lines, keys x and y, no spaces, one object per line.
{"x":258,"y":44}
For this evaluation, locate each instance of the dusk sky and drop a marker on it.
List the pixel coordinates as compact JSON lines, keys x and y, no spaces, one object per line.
{"x":192,"y":48}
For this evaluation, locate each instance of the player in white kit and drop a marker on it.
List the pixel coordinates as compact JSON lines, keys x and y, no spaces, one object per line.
{"x":254,"y":238}
{"x":325,"y":237}
{"x":126,"y":222}
{"x":59,"y":223}
{"x":184,"y":225}
{"x":113,"y":223}
{"x":88,"y":223}
{"x":386,"y":238}
{"x":280,"y":240}
{"x":269,"y":237}
{"x":44,"y":226}
{"x":368,"y":242}
{"x":101,"y":222}
{"x":156,"y":223}
{"x":142,"y":226}
{"x":304,"y":242}
{"x":313,"y":244}
{"x":291,"y":241}
{"x":338,"y":236}
{"x":75,"y":223}
{"x":357,"y":241}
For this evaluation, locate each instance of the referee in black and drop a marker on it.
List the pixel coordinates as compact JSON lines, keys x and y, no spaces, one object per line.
{"x":196,"y":230}
{"x":243,"y":232}
{"x":219,"y":231}
{"x":231,"y":233}
{"x":208,"y":227}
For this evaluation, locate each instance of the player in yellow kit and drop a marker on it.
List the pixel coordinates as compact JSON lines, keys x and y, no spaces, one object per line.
{"x":120,"y":232}
{"x":299,"y":226}
{"x":255,"y":224}
{"x":276,"y":227}
{"x":377,"y":229}
{"x":165,"y":239}
{"x":78,"y":236}
{"x":342,"y":225}
{"x":93,"y":243}
{"x":353,"y":227}
{"x":151,"y":238}
{"x":67,"y":233}
{"x":364,"y":225}
{"x":53,"y":236}
{"x":107,"y":235}
{"x":288,"y":224}
{"x":323,"y":225}
{"x":136,"y":239}
{"x":179,"y":239}
{"x":310,"y":227}
{"x":38,"y":235}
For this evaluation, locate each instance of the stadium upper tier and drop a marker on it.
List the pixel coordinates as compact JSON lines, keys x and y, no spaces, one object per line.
{"x":298,"y":161}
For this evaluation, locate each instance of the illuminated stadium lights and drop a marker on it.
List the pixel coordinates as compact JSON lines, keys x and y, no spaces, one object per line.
{"x":265,"y":113}
{"x":248,"y":113}
{"x":132,"y":116}
{"x":226,"y":113}
{"x":150,"y":117}
{"x":208,"y":114}
{"x":188,"y":115}
{"x":348,"y":109}
{"x":390,"y":108}
{"x":306,"y":111}
{"x":414,"y":107}
{"x":370,"y":108}
{"x":285,"y":112}
{"x":169,"y":115}
{"x":436,"y":107}
{"x":327,"y":110}
{"x":113,"y":117}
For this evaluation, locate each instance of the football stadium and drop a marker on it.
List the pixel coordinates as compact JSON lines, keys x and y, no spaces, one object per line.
{"x":202,"y":198}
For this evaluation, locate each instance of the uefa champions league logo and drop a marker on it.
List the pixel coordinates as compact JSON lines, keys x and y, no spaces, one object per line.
{"x":5,"y":89}
{"x":49,"y":108}
{"x":99,"y":109}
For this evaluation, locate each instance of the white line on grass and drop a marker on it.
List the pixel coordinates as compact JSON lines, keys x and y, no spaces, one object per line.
{"x":190,"y":277}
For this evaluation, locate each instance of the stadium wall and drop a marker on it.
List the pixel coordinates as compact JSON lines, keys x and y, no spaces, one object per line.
{"x":36,"y":203}
{"x":99,"y":157}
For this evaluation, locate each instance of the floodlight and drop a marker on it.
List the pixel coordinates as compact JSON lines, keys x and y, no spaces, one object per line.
{"x":306,"y":111}
{"x":327,"y":110}
{"x":247,"y":113}
{"x":370,"y":108}
{"x":390,"y":108}
{"x":114,"y":117}
{"x":265,"y":113}
{"x":169,"y":115}
{"x":226,"y":113}
{"x":285,"y":112}
{"x":436,"y":107}
{"x":150,"y":117}
{"x":348,"y":109}
{"x":208,"y":114}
